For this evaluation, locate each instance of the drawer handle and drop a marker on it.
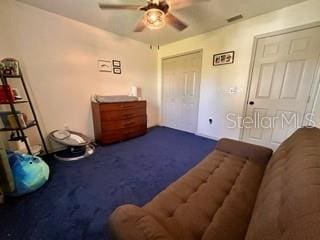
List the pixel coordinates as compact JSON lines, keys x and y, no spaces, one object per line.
{"x":128,"y":124}
{"x":129,"y":105}
{"x":128,"y":115}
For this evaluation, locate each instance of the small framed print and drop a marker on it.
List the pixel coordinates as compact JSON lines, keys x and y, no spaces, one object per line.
{"x":116,"y":63}
{"x":117,"y":70}
{"x":223,"y":58}
{"x":104,"y":66}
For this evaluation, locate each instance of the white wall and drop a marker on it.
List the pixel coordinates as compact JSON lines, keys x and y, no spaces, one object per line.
{"x":59,"y":59}
{"x":214,"y":101}
{"x":6,"y":47}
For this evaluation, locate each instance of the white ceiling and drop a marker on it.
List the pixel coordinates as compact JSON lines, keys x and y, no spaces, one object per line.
{"x":201,"y":17}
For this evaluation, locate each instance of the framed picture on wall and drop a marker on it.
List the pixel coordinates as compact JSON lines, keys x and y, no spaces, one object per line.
{"x":116,"y":63}
{"x":104,"y":66}
{"x":117,"y":70}
{"x":223,"y":58}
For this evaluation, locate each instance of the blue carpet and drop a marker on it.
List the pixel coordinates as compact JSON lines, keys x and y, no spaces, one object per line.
{"x":79,"y":196}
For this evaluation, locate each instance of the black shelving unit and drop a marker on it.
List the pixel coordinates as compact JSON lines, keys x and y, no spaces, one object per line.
{"x":34,"y":123}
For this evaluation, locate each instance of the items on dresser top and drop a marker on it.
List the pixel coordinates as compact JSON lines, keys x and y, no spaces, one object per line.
{"x":115,"y":98}
{"x":119,"y":121}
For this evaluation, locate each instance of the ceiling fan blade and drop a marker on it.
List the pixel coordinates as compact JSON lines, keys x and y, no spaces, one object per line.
{"x":175,"y":22}
{"x":178,"y":4}
{"x":140,"y":26}
{"x":106,"y":6}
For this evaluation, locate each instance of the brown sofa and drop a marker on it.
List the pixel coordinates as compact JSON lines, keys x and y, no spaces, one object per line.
{"x":230,"y":196}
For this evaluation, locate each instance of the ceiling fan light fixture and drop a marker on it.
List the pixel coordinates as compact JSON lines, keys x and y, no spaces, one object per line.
{"x":154,"y":18}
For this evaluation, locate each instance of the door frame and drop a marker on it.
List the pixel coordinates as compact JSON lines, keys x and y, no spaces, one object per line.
{"x":316,"y":78}
{"x":200,"y":51}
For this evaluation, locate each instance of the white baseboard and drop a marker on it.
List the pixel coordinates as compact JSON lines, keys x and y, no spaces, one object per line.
{"x":207,"y":136}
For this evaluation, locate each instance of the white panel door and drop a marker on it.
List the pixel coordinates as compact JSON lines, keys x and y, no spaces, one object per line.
{"x":181,"y":87}
{"x":283,"y":75}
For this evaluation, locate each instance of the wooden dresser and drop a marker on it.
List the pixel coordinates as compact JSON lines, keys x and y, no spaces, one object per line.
{"x":114,"y":122}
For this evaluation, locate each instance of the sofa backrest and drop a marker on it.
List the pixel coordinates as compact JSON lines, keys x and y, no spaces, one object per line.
{"x":288,"y":202}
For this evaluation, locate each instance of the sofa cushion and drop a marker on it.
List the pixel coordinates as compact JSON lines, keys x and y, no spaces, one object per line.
{"x":138,"y":225}
{"x":288,"y":204}
{"x":214,"y":199}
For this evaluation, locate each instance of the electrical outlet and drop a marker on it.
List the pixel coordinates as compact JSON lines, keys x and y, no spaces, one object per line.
{"x":210,"y":121}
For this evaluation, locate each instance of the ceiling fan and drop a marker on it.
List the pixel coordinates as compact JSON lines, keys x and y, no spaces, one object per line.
{"x":157,"y":13}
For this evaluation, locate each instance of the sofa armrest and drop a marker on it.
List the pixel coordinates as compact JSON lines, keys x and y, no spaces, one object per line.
{"x":245,"y":150}
{"x":130,"y":222}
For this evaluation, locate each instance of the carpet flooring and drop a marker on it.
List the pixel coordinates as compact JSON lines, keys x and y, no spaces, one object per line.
{"x":79,"y":196}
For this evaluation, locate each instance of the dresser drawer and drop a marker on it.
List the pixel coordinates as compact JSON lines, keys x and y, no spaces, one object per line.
{"x":110,"y":137}
{"x":124,"y":114}
{"x":134,"y":131}
{"x":122,"y":106}
{"x":121,"y":134}
{"x":123,"y":123}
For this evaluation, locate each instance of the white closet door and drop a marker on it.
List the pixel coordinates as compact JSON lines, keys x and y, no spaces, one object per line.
{"x":282,"y":78}
{"x":171,"y":104}
{"x":181,"y":87}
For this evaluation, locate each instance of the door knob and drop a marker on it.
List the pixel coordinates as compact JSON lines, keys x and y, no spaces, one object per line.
{"x":251,"y":102}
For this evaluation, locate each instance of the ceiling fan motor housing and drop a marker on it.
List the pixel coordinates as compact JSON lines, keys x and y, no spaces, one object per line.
{"x":163,"y":6}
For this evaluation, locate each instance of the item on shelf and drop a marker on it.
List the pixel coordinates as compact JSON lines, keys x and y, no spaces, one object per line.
{"x":23,"y":120}
{"x":78,"y":145}
{"x":29,"y":172}
{"x":16,"y":94}
{"x":35,"y":150}
{"x":11,"y":66}
{"x":4,"y":118}
{"x":6,"y":94}
{"x":1,"y":67}
{"x":16,"y":144}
